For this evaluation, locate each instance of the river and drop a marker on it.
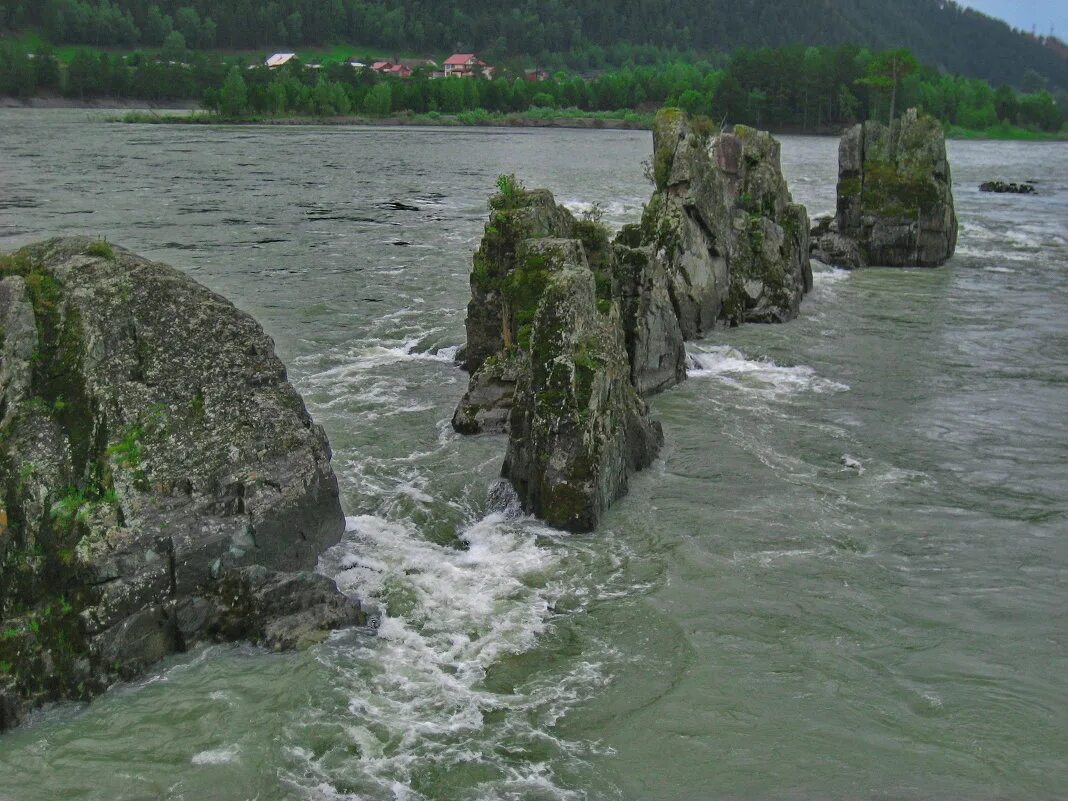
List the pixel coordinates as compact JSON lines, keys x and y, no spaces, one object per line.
{"x":756,"y":620}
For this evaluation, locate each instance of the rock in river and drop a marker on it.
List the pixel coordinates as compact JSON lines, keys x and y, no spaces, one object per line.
{"x":569,"y":329}
{"x":895,"y":196}
{"x":162,"y":480}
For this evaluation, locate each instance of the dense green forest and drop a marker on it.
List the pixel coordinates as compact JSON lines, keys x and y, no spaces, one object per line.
{"x":792,"y":88}
{"x":574,"y":33}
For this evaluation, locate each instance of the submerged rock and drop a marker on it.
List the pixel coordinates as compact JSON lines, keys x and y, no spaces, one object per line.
{"x":153,"y":453}
{"x":1002,"y":187}
{"x":895,"y":195}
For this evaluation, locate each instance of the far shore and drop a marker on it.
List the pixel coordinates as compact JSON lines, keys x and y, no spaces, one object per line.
{"x":97,"y":104}
{"x":192,"y":113}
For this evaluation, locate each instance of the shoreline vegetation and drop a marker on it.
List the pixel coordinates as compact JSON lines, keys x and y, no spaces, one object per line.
{"x":788,"y":90}
{"x":533,"y":118}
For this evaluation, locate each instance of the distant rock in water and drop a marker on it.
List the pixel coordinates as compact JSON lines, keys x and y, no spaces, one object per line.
{"x":895,"y":197}
{"x":1001,"y":188}
{"x":163,"y":482}
{"x":568,"y":329}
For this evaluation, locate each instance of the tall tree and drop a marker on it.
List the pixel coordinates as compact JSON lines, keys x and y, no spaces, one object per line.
{"x":886,"y":72}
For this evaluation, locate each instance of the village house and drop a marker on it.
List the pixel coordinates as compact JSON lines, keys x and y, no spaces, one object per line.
{"x":466,"y":65}
{"x":279,"y":60}
{"x":419,"y":63}
{"x":390,"y":68}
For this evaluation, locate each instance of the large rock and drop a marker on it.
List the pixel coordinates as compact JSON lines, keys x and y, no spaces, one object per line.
{"x":568,"y":330}
{"x":578,"y":426}
{"x":152,"y":450}
{"x":548,"y":345}
{"x":895,"y":195}
{"x":724,"y":227}
{"x":651,"y":328}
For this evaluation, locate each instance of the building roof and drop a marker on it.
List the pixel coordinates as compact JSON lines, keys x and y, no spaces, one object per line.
{"x":382,"y":65}
{"x":459,"y":59}
{"x":278,"y":59}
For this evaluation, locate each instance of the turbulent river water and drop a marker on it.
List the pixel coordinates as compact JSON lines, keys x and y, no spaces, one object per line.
{"x":756,"y":620}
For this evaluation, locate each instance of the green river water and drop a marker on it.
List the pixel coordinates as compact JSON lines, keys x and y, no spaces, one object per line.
{"x":756,"y":620}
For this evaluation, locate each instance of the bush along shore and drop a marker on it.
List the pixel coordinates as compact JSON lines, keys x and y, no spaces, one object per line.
{"x":791,"y":89}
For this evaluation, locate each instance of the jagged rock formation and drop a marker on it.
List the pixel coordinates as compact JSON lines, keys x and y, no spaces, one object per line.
{"x":895,"y":197}
{"x":569,"y":330}
{"x":162,"y":481}
{"x":578,"y":426}
{"x":833,"y":248}
{"x":733,"y":243}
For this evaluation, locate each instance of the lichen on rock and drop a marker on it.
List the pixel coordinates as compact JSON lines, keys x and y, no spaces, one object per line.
{"x":151,"y":446}
{"x":895,"y":197}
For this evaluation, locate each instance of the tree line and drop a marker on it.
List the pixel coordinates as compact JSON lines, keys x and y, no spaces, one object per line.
{"x":574,"y":33}
{"x":806,"y":89}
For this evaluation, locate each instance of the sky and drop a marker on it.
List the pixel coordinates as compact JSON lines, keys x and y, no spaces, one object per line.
{"x":1025,"y":13}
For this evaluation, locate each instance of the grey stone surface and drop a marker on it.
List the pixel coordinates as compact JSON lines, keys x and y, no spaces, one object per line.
{"x":151,"y":445}
{"x":895,"y":196}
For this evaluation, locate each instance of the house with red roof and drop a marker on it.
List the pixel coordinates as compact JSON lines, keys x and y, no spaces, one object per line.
{"x":466,"y":65}
{"x":389,"y":68}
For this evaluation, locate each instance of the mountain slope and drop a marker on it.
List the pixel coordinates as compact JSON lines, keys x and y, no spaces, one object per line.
{"x":939,"y":32}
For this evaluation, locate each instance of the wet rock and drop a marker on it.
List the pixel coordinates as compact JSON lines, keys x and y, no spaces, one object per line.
{"x":831,"y":248}
{"x":1002,"y":187}
{"x":895,"y":195}
{"x":496,"y":313}
{"x":578,"y":426}
{"x":151,"y":445}
{"x":568,"y":330}
{"x":279,"y":610}
{"x":487,"y":405}
{"x":651,"y":328}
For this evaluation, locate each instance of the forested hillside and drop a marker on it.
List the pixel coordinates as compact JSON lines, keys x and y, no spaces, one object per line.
{"x":590,"y":32}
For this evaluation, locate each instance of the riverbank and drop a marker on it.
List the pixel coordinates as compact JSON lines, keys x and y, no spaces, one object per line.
{"x":190,"y":112}
{"x":97,"y":104}
{"x":1006,"y":133}
{"x":537,"y":118}
{"x":628,"y":120}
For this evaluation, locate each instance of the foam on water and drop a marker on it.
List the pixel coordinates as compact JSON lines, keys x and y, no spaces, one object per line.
{"x":417,"y":700}
{"x":764,"y":376}
{"x":369,"y":355}
{"x":216,"y":756}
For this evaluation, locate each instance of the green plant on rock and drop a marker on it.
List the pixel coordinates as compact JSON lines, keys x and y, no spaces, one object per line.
{"x":896,"y":191}
{"x":510,"y":192}
{"x":101,"y":249}
{"x":523,"y":289}
{"x":127,"y":451}
{"x":71,"y":508}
